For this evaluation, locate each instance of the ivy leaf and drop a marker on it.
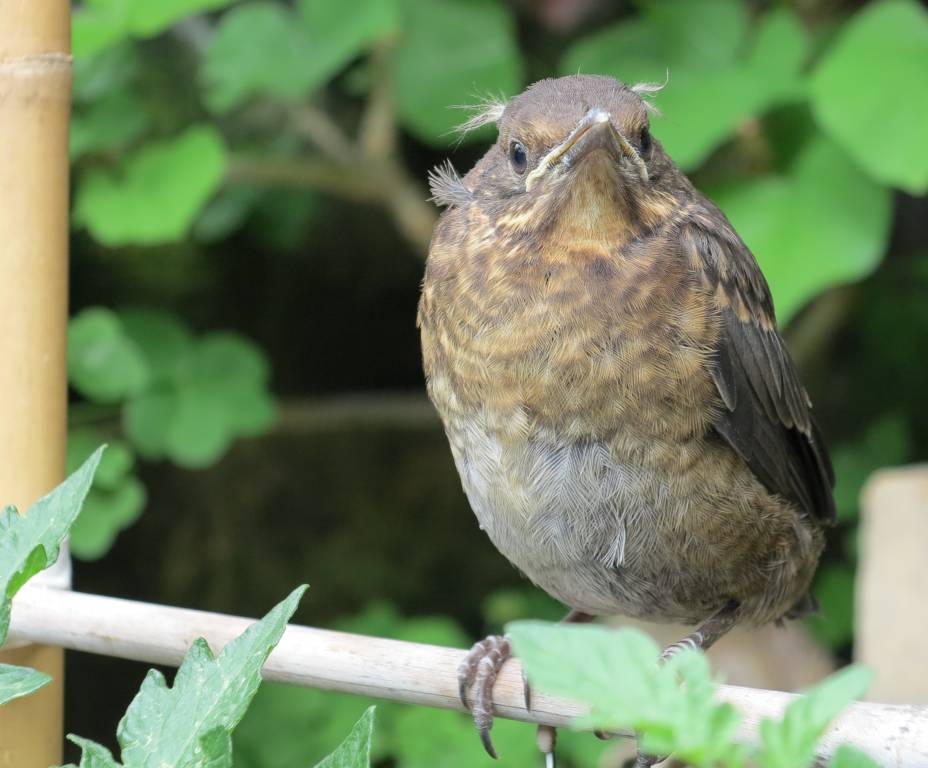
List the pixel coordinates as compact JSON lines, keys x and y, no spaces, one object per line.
{"x":879,"y":113}
{"x":701,"y":48}
{"x":157,"y":192}
{"x":824,"y":205}
{"x":355,"y":750}
{"x":790,"y":743}
{"x":450,"y":53}
{"x":337,"y":37}
{"x":111,"y":123}
{"x":257,"y":48}
{"x":164,"y":341}
{"x":29,"y":544}
{"x":19,"y":681}
{"x":116,"y":498}
{"x":618,"y":674}
{"x":104,"y":364}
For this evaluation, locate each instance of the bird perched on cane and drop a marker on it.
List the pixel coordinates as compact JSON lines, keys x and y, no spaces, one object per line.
{"x":601,"y":346}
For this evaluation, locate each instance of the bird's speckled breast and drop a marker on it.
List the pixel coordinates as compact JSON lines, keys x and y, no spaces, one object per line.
{"x":573,"y":386}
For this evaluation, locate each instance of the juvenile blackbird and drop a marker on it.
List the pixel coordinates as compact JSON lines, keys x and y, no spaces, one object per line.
{"x":601,"y":346}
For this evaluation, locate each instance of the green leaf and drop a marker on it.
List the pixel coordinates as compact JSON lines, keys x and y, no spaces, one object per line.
{"x":112,"y":70}
{"x":355,"y":750}
{"x":870,"y":92}
{"x":115,"y":500}
{"x":790,"y":743}
{"x":823,"y":206}
{"x":147,"y":19}
{"x":103,"y":363}
{"x":618,"y":674}
{"x":833,"y":625}
{"x":100,"y":24}
{"x":165,"y":342}
{"x":884,"y":444}
{"x":259,"y":48}
{"x":189,"y":723}
{"x":20,"y":681}
{"x":848,"y":757}
{"x":156,"y":193}
{"x":338,"y":37}
{"x":700,"y":47}
{"x":110,"y":124}
{"x":93,"y":755}
{"x":29,"y":544}
{"x":225,"y":213}
{"x":450,"y":53}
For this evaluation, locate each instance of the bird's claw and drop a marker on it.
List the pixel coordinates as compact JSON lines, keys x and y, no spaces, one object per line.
{"x":479,"y":669}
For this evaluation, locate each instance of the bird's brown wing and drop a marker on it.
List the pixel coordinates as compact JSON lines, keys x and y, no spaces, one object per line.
{"x":767,"y":417}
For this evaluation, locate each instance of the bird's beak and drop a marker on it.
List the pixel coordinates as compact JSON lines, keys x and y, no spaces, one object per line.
{"x":594,"y":131}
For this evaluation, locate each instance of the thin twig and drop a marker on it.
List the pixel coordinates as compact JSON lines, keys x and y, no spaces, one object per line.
{"x":894,"y":735}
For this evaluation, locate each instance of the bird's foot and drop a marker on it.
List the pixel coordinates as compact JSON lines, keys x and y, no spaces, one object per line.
{"x":479,"y":669}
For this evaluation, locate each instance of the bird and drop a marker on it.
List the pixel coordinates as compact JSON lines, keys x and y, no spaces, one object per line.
{"x":602,"y":348}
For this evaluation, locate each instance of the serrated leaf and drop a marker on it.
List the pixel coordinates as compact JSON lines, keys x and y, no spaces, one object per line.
{"x":183,"y":724}
{"x":618,"y":674}
{"x":355,"y":750}
{"x":790,"y":743}
{"x":257,"y":48}
{"x":879,"y":113}
{"x":20,"y":681}
{"x":848,"y":757}
{"x":103,"y":363}
{"x":29,"y":544}
{"x":93,"y":755}
{"x":115,"y":465}
{"x":156,"y":193}
{"x":823,"y":206}
{"x":450,"y":53}
{"x":337,"y":37}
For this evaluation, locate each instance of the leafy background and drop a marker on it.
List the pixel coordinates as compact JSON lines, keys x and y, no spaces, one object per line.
{"x":250,"y":219}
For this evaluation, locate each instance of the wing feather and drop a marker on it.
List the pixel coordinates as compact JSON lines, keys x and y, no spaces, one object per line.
{"x":767,"y":417}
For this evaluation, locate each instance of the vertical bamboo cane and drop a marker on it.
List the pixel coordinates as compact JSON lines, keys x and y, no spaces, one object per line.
{"x":35,"y":84}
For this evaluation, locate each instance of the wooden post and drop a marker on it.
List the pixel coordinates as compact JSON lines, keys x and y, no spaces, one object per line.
{"x":35,"y":89}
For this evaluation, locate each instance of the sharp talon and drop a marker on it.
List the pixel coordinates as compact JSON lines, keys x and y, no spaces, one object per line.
{"x":550,"y":762}
{"x":526,"y":692}
{"x":487,"y":741}
{"x":462,"y":692}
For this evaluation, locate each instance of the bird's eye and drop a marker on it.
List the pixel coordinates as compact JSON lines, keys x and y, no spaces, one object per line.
{"x":645,"y":141}
{"x":518,"y":157}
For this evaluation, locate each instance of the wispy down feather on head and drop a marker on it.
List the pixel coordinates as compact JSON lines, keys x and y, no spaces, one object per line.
{"x":647,"y":90}
{"x":487,"y":111}
{"x":447,"y":187}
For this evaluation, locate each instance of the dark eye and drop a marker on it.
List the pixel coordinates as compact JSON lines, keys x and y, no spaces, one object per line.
{"x":645,"y":141}
{"x":517,"y":157}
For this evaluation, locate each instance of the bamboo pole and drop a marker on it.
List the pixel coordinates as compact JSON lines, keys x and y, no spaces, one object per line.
{"x":895,"y":736}
{"x":35,"y":75}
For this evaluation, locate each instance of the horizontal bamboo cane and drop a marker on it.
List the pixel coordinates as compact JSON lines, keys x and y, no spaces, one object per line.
{"x":896,"y":736}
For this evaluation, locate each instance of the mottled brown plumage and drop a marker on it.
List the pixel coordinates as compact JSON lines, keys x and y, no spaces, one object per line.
{"x":602,"y":349}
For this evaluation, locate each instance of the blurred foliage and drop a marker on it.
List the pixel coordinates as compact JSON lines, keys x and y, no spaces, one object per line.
{"x":259,"y":165}
{"x":180,"y":397}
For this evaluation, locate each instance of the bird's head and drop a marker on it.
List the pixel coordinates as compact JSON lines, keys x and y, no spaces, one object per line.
{"x":574,"y":151}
